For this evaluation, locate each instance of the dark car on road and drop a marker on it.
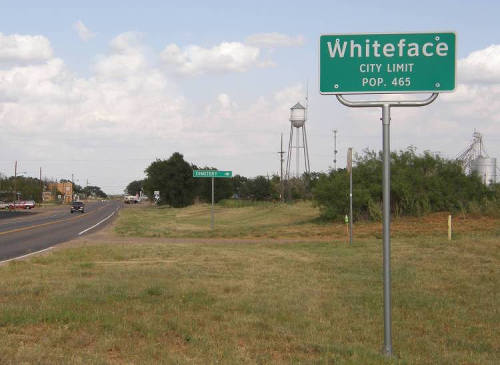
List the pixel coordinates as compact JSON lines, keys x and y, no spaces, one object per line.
{"x":77,"y":207}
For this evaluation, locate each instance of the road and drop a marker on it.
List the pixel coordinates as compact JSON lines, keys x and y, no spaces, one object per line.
{"x":26,"y":232}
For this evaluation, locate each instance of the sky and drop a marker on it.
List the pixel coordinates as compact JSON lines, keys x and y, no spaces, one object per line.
{"x":99,"y":91}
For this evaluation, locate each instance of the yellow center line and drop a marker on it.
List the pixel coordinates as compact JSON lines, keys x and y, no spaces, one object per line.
{"x":49,"y":223}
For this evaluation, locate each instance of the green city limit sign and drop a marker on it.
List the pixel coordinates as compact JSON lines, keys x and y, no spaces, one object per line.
{"x":387,"y":63}
{"x":212,"y":173}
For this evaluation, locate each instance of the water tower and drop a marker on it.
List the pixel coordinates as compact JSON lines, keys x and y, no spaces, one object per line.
{"x":298,"y":116}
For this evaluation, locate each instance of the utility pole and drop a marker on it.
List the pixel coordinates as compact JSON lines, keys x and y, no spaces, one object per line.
{"x":335,"y":150}
{"x":15,"y":184}
{"x":349,"y":170}
{"x":282,"y":187}
{"x":41,"y":187}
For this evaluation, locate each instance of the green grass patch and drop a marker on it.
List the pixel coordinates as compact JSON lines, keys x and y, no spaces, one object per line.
{"x":251,"y":219}
{"x":252,"y":303}
{"x":270,"y":220}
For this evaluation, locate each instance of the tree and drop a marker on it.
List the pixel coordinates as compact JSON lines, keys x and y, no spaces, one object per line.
{"x":135,"y":187}
{"x":419,"y":184}
{"x":173,"y":178}
{"x":27,"y":188}
{"x":94,"y":191}
{"x":223,"y":187}
{"x":260,"y":188}
{"x":238,"y":182}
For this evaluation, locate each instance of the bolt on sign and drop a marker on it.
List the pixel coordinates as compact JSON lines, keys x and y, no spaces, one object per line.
{"x":387,"y":63}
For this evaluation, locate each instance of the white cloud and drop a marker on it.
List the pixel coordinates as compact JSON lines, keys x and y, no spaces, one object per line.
{"x":127,"y":57}
{"x":225,"y":57}
{"x":18,"y":48}
{"x":83,"y":32}
{"x":271,"y":40}
{"x":129,"y":108}
{"x":124,"y":96}
{"x":481,"y":66}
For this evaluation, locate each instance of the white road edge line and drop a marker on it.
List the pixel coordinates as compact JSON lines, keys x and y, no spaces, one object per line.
{"x":95,"y":225}
{"x":29,"y":254}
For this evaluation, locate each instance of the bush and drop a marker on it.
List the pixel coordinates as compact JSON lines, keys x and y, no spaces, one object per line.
{"x":420,"y":184}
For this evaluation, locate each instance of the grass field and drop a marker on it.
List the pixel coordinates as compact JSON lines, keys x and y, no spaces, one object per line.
{"x":114,"y":299}
{"x":274,"y":221}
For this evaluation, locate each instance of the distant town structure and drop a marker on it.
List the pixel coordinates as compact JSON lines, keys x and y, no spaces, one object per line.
{"x":298,"y":117}
{"x":63,"y":189}
{"x":475,"y":159}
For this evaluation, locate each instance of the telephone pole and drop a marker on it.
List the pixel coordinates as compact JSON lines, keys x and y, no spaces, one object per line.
{"x":15,"y":184}
{"x":282,"y":187}
{"x":41,"y":187}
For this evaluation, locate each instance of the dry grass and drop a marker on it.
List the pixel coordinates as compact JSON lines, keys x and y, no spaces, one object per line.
{"x":276,"y":221}
{"x":111,"y":299}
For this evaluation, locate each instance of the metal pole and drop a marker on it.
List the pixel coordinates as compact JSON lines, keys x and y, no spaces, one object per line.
{"x":350,"y":207}
{"x":334,"y":150}
{"x":298,"y":152}
{"x":41,"y":187}
{"x":306,"y":149}
{"x":15,"y":184}
{"x":212,"y":210}
{"x":289,"y":154}
{"x":386,"y":181}
{"x":282,"y":193}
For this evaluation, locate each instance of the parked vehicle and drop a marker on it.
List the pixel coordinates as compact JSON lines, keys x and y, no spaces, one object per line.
{"x":131,"y":199}
{"x":77,"y":207}
{"x":4,"y":205}
{"x":22,"y":204}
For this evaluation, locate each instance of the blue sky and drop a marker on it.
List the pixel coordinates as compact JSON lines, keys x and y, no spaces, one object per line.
{"x":215,"y":103}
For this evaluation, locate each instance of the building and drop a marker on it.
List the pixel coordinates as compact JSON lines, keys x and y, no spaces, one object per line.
{"x":59,"y":191}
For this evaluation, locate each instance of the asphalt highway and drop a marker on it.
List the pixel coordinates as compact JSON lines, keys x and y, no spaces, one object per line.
{"x":26,"y":232}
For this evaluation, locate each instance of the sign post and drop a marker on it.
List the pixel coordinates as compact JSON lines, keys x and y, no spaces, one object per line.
{"x":212,"y":174}
{"x":349,"y":171}
{"x":387,"y":63}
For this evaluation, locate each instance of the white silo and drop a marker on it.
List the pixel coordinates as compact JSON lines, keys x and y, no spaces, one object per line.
{"x":486,"y":169}
{"x":475,"y":159}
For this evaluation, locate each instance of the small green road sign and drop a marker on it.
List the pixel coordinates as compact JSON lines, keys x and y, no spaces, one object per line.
{"x":212,"y":173}
{"x":387,"y":63}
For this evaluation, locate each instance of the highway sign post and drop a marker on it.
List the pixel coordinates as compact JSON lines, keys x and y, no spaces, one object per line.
{"x":387,"y":63}
{"x":212,"y":174}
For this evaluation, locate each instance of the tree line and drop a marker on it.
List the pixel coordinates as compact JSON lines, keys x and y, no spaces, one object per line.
{"x":173,"y":178}
{"x":29,"y":188}
{"x":420,"y":184}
